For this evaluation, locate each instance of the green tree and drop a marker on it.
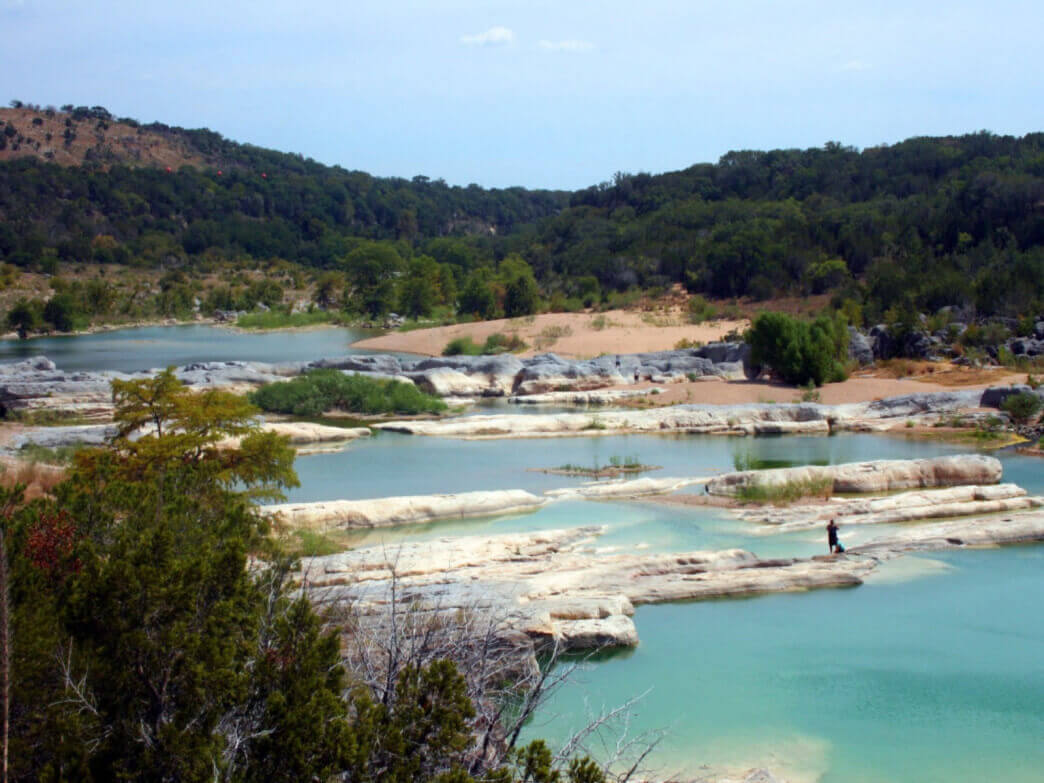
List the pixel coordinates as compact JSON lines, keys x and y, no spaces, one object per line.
{"x":328,"y":288}
{"x":371,"y":269}
{"x":419,"y":290}
{"x":62,"y":311}
{"x":1022,"y":407}
{"x":26,"y":316}
{"x":476,"y":298}
{"x":798,"y":351}
{"x":522,"y":296}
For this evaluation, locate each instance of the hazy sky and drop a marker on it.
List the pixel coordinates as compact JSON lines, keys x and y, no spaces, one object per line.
{"x":541,"y":93}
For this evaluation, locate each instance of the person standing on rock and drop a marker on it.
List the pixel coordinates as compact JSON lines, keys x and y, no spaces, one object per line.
{"x":832,"y":542}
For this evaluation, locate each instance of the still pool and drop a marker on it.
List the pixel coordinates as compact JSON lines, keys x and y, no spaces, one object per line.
{"x":144,"y":348}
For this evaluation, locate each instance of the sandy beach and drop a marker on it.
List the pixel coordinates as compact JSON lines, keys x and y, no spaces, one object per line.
{"x":573,"y":335}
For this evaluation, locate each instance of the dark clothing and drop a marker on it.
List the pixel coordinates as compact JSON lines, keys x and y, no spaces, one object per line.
{"x":832,"y":536}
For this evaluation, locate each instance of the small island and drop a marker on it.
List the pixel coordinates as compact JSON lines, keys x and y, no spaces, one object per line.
{"x":618,"y":466}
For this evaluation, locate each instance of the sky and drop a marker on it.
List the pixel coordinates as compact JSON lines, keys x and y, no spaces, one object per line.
{"x":538,"y":93}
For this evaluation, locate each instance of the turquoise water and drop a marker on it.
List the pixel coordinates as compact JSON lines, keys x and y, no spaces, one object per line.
{"x":932,"y":671}
{"x":936,"y":679}
{"x":130,"y":350}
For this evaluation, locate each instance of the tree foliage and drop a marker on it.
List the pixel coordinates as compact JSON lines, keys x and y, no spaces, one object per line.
{"x":157,"y":635}
{"x":800,"y":352}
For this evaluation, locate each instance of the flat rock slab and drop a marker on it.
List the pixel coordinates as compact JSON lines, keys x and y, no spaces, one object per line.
{"x":559,"y":585}
{"x":866,"y":477}
{"x":405,"y":510}
{"x":892,"y":509}
{"x":624,"y":489}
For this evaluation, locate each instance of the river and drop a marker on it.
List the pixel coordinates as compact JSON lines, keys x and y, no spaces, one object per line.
{"x":932,"y":671}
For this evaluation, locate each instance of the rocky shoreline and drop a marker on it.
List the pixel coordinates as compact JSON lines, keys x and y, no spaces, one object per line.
{"x":563,"y":587}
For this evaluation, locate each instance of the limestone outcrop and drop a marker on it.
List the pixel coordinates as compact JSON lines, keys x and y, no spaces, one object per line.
{"x":892,"y":509}
{"x":870,"y":477}
{"x":557,"y":585}
{"x":595,"y":397}
{"x":632,"y":488}
{"x":406,"y":510}
{"x":995,"y":530}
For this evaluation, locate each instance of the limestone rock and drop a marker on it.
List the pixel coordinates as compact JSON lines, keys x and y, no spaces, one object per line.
{"x":892,"y":509}
{"x":859,"y":347}
{"x":876,"y":476}
{"x":413,"y":509}
{"x":625,"y":489}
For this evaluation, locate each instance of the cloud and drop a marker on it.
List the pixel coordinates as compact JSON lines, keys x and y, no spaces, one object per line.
{"x":494,"y":36}
{"x":569,"y":45}
{"x":856,"y":65}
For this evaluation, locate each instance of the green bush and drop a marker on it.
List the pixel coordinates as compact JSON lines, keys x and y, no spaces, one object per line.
{"x":499,"y":342}
{"x":281,"y":319}
{"x":318,"y":391}
{"x":700,"y":310}
{"x":495,"y":343}
{"x":462,"y":346}
{"x":800,"y":352}
{"x":1022,"y":407}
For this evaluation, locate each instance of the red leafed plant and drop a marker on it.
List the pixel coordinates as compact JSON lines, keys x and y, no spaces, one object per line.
{"x":50,"y":544}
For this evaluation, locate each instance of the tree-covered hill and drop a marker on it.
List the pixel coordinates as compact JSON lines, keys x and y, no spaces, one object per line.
{"x":918,"y":225}
{"x":234,"y":199}
{"x":928,"y":222}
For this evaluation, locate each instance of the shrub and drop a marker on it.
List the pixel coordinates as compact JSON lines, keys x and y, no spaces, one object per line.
{"x":498,"y":342}
{"x":700,"y":310}
{"x":318,"y":391}
{"x":461,"y":346}
{"x":800,"y":352}
{"x":1022,"y":407}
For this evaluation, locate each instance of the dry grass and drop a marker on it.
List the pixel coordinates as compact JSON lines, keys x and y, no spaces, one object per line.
{"x":942,"y":373}
{"x":38,"y":478}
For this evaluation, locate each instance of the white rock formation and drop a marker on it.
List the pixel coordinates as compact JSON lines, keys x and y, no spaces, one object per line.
{"x":891,"y":509}
{"x":624,"y":489}
{"x":876,"y":476}
{"x":406,"y":510}
{"x":595,"y":397}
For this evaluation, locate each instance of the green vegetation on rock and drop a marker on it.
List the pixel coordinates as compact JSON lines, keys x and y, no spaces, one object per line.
{"x":318,"y":391}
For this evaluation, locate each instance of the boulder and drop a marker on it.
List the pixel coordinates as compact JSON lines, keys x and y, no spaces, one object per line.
{"x":994,"y":396}
{"x":860,"y":348}
{"x":447,"y":382}
{"x":1027,"y":346}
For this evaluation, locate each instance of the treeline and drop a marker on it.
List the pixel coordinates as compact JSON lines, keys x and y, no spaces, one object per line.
{"x":912,"y":227}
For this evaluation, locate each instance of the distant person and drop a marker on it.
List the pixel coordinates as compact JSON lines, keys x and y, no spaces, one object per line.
{"x":637,"y":375}
{"x":832,"y":542}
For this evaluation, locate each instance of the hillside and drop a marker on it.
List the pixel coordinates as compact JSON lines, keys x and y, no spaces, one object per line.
{"x":91,"y":137}
{"x":887,"y":231}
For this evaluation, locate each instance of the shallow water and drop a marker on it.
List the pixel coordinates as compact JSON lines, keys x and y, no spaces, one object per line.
{"x":933,"y":670}
{"x":130,"y":350}
{"x":936,"y":679}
